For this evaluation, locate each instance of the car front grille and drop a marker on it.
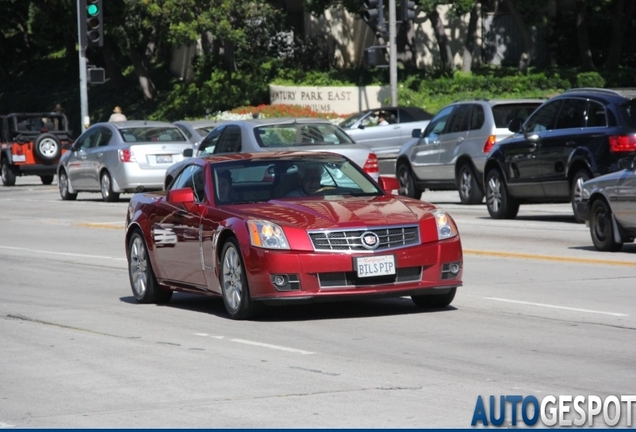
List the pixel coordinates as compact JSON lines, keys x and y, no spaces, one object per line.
{"x":350,"y":279}
{"x":351,"y":240}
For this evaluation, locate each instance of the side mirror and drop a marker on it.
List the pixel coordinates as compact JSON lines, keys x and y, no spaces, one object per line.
{"x":361,"y":126}
{"x":389,"y":184}
{"x":515,"y":125}
{"x":626,"y":163}
{"x":180,"y":196}
{"x":188,"y":152}
{"x":416,"y":133}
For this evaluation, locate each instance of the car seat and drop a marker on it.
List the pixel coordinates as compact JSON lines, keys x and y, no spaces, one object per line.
{"x":287,"y":183}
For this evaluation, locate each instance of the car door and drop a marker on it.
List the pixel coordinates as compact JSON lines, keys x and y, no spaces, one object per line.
{"x":557,"y":147}
{"x":176,"y":232}
{"x":624,"y":205}
{"x":76,"y":166}
{"x":521,"y":154}
{"x":95,"y":156}
{"x":381,"y":139}
{"x":425,"y":154}
{"x":454,"y":134}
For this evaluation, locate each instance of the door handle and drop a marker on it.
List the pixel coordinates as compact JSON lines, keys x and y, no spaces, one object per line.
{"x":460,"y":140}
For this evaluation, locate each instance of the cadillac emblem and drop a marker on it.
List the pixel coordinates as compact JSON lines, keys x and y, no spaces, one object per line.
{"x":370,"y":240}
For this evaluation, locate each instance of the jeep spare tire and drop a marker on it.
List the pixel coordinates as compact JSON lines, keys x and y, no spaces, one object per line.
{"x":47,"y":147}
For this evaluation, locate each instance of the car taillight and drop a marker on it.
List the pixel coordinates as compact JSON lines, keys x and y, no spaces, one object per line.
{"x":490,"y":141}
{"x":125,"y":155}
{"x":18,"y":150}
{"x":371,"y":165}
{"x":622,"y":143}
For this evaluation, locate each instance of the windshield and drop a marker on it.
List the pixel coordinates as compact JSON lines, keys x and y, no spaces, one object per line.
{"x":349,"y":122}
{"x":289,"y":178}
{"x":298,"y":134}
{"x":152,"y":134}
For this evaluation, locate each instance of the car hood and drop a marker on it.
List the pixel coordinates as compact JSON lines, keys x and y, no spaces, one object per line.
{"x":338,"y":212}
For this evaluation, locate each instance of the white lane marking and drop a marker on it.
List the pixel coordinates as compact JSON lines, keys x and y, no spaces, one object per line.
{"x":62,"y":253}
{"x":259,"y":344}
{"x":557,"y":307}
{"x":276,"y":347}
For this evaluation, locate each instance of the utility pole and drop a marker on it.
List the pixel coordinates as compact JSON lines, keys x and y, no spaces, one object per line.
{"x":393,"y":53}
{"x":86,"y":120}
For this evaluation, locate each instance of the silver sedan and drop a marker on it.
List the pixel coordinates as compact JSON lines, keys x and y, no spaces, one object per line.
{"x":280,"y":134}
{"x":196,"y":130}
{"x":119,"y":157}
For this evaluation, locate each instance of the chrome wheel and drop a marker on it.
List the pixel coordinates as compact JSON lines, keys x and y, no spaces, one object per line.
{"x":232,"y":278}
{"x":494,"y":194}
{"x":106,"y":186}
{"x":407,"y":182}
{"x":64,"y":185}
{"x":500,"y":205}
{"x":576,"y":194}
{"x":138,"y":267}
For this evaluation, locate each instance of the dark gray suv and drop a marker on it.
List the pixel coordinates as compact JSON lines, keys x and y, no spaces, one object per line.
{"x":451,"y":152}
{"x":575,"y":136}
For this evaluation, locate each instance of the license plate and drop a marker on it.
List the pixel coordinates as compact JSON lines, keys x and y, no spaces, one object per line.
{"x":19,"y":158}
{"x":164,"y":158}
{"x":381,"y":265}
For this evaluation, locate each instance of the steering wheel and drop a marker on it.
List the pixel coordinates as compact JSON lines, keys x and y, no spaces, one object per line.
{"x":325,"y":189}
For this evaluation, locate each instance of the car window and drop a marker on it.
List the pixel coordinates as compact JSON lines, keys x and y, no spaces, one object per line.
{"x":572,"y":114}
{"x":104,"y":137}
{"x":185,"y":131}
{"x":405,"y":117}
{"x":192,"y":177}
{"x":438,"y":123}
{"x":208,"y":144}
{"x":152,"y":134}
{"x":296,"y":134}
{"x":505,"y":113}
{"x":628,"y":112}
{"x":477,"y":117}
{"x":596,"y":115}
{"x":89,"y":139}
{"x":349,"y":122}
{"x":460,"y":119}
{"x":229,"y":141}
{"x":543,"y":118}
{"x":184,"y":179}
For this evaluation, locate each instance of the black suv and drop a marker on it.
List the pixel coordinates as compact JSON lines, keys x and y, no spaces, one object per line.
{"x":577,"y":135}
{"x":31,"y":144}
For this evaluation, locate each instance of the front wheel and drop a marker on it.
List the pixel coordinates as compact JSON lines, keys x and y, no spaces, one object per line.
{"x":469,"y":192}
{"x":407,"y":182}
{"x":8,"y":176}
{"x":143,"y":282}
{"x":577,"y":191}
{"x":106,"y":187}
{"x":435,"y":300}
{"x":500,"y":205}
{"x":602,"y":227}
{"x":236,"y":292}
{"x":63,"y":184}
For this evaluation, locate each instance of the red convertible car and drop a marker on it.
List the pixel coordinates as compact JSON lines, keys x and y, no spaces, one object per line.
{"x":288,"y":227}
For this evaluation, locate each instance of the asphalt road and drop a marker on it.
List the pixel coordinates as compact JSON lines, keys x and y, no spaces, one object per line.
{"x":540,"y":313}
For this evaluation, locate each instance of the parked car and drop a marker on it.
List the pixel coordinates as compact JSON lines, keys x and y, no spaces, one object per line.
{"x":31,"y":144}
{"x":608,"y":206}
{"x":571,"y":138}
{"x":385,"y":141}
{"x":451,"y":152}
{"x":347,"y":239}
{"x":196,"y":130}
{"x":118,"y":157}
{"x":259,"y":135}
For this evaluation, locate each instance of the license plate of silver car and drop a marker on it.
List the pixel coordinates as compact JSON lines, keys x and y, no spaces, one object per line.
{"x":164,"y":158}
{"x":379,"y":265}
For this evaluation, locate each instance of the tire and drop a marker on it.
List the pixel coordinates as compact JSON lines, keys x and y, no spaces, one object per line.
{"x":500,"y":205}
{"x":46,"y":179}
{"x":47,"y":147}
{"x":63,"y":185}
{"x":434,"y":301}
{"x":236,"y":292}
{"x":407,"y":181}
{"x":143,"y":282}
{"x":469,"y":192}
{"x":602,"y":227}
{"x":576,"y":191}
{"x":106,"y":187}
{"x":8,"y":176}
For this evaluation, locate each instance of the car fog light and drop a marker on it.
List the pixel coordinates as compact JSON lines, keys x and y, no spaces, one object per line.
{"x":454,"y":268}
{"x":280,"y":280}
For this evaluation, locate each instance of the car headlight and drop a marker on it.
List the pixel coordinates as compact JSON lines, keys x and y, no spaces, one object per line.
{"x":267,"y":235}
{"x":446,"y":227}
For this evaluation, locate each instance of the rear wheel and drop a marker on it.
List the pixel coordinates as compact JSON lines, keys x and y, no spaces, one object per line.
{"x":236,"y":292}
{"x":63,"y":185}
{"x":143,"y":282}
{"x":8,"y":176}
{"x":407,"y":181}
{"x":602,"y":227}
{"x":435,"y":300}
{"x":46,"y":179}
{"x":577,"y":191}
{"x":106,"y":187}
{"x":500,"y":205}
{"x":469,"y":192}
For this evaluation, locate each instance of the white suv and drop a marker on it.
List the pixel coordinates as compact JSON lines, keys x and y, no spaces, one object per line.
{"x":451,"y":152}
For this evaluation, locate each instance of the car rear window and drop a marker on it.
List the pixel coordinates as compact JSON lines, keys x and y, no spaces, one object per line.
{"x":152,"y":134}
{"x":298,"y":134}
{"x":505,"y":113}
{"x":628,"y":112}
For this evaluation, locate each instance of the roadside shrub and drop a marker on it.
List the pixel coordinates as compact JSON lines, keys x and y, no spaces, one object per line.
{"x":590,"y":79}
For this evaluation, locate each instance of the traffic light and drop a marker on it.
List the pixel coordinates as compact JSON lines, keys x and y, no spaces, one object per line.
{"x":96,"y":75}
{"x":92,"y":22}
{"x":407,"y":10}
{"x":373,"y":13}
